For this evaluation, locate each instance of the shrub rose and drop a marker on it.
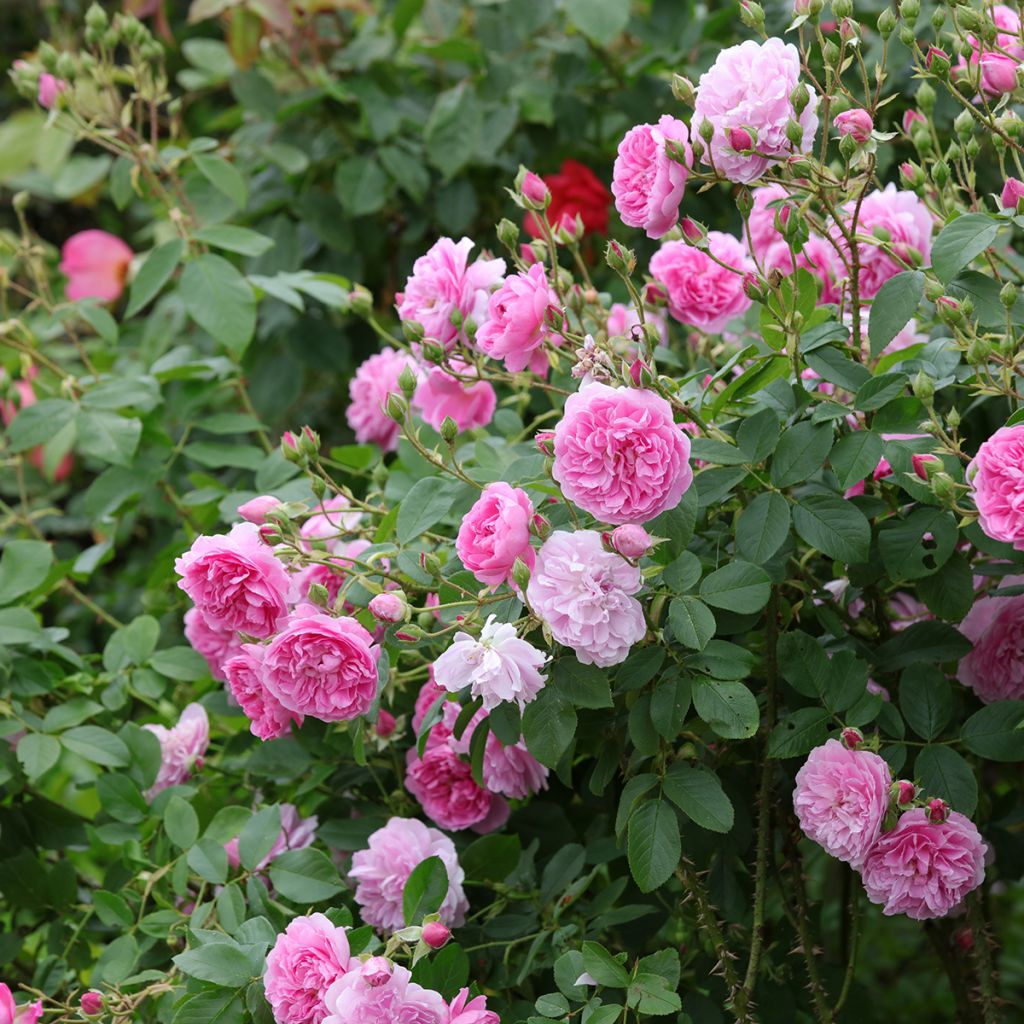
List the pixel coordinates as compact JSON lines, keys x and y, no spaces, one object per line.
{"x":761,"y":221}
{"x":330,"y":519}
{"x":235,"y":581}
{"x":470,"y":403}
{"x":994,"y":666}
{"x":575,"y":192}
{"x":268,"y":718}
{"x":515,"y":330}
{"x":354,"y":999}
{"x":181,"y":748}
{"x":749,"y":86}
{"x":841,"y":799}
{"x":382,"y":869}
{"x":924,"y":870}
{"x":95,"y":264}
{"x":647,"y":183}
{"x":322,"y":666}
{"x":255,"y":509}
{"x":996,"y":476}
{"x":619,"y":455}
{"x":495,"y":532}
{"x":700,"y":292}
{"x":217,"y":646}
{"x":309,"y":956}
{"x":584,"y":594}
{"x":368,"y":390}
{"x":444,"y":785}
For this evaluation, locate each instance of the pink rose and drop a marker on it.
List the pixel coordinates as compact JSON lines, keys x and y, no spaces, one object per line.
{"x":495,"y":532}
{"x":996,"y":476}
{"x":217,"y":646}
{"x":631,"y":541}
{"x":498,"y":667}
{"x":994,"y":667}
{"x":818,"y":257}
{"x":322,"y":666}
{"x":619,"y":455}
{"x":255,"y":509}
{"x":924,"y":870}
{"x":464,"y":1010}
{"x":354,"y":1000}
{"x":856,"y":122}
{"x":841,"y":799}
{"x":702,"y":293}
{"x":583,"y":593}
{"x":997,"y":69}
{"x":368,"y":390}
{"x":330,"y":520}
{"x":388,"y":607}
{"x":515,"y":330}
{"x":296,"y":834}
{"x":235,"y":581}
{"x":906,"y":610}
{"x":95,"y":264}
{"x":436,"y":935}
{"x":24,"y":395}
{"x":443,"y":282}
{"x":49,"y":89}
{"x":749,"y":86}
{"x":998,"y":73}
{"x":181,"y":748}
{"x":11,"y":1013}
{"x":761,"y":221}
{"x":331,"y":576}
{"x":534,"y":190}
{"x":1013,"y":192}
{"x":382,"y":869}
{"x":385,"y":724}
{"x":430,"y":693}
{"x":309,"y":956}
{"x":509,"y":769}
{"x":647,"y":183}
{"x":470,"y":403}
{"x":443,"y":784}
{"x":268,"y":718}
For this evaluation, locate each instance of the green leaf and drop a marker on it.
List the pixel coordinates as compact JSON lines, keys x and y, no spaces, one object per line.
{"x":758,"y":435}
{"x":856,"y":456}
{"x":602,"y":966}
{"x":220,"y":300}
{"x":209,"y":861}
{"x":693,"y":623}
{"x":181,"y":822}
{"x":670,"y":704}
{"x":798,"y":733}
{"x":219,"y":455}
{"x":360,"y":185}
{"x":408,"y":170}
{"x":838,"y":682}
{"x":926,"y":700}
{"x":181,"y":663}
{"x":36,"y":424}
{"x":305,"y":876}
{"x":801,"y":452}
{"x":600,"y":20}
{"x":762,"y":527}
{"x":131,"y":644}
{"x":491,"y":858}
{"x":922,"y":641}
{"x":549,"y":724}
{"x":244,"y":241}
{"x":108,"y":436}
{"x":224,"y":177}
{"x":906,"y":553}
{"x":737,"y":587}
{"x":942,"y":772}
{"x":697,"y":792}
{"x":949,"y":593}
{"x":97,"y":745}
{"x":211,"y":1007}
{"x":652,"y":844}
{"x":728,"y":707}
{"x":996,"y":732}
{"x":155,"y":272}
{"x":652,"y":997}
{"x":896,"y":302}
{"x":584,"y":686}
{"x":453,"y":129}
{"x":120,"y":798}
{"x":880,"y":390}
{"x":834,"y":526}
{"x":220,"y":963}
{"x":428,"y":501}
{"x":425,"y":890}
{"x":37,"y":754}
{"x":960,"y":241}
{"x":258,"y":836}
{"x":24,"y":564}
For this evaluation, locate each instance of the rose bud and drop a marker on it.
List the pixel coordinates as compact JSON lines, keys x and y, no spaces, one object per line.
{"x":385,"y":724}
{"x":912,"y":117}
{"x":741,"y":139}
{"x":255,"y":510}
{"x":852,"y":738}
{"x":390,"y":606}
{"x":376,"y":971}
{"x":631,"y":541}
{"x":938,"y":811}
{"x":855,"y":122}
{"x":905,"y":792}
{"x":533,"y":189}
{"x":920,"y":463}
{"x":435,"y":934}
{"x":92,"y":1003}
{"x":1013,"y":192}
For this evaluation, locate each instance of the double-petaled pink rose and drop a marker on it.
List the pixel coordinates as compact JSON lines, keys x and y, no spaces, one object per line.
{"x":217,"y":646}
{"x":619,"y":455}
{"x":235,"y":581}
{"x":443,"y":783}
{"x":181,"y":748}
{"x":495,"y":532}
{"x":369,"y":388}
{"x":996,"y":476}
{"x":516,"y":326}
{"x":361,"y":997}
{"x":647,"y":183}
{"x":464,"y":1010}
{"x":268,"y":718}
{"x":456,"y":392}
{"x":994,"y":666}
{"x":322,"y":666}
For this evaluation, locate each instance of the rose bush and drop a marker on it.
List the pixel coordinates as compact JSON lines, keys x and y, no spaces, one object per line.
{"x":513,"y":512}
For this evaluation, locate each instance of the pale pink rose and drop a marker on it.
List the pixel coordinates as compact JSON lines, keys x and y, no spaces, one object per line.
{"x":994,"y":667}
{"x":296,"y":834}
{"x":430,"y":693}
{"x":322,"y":666}
{"x":583,"y":593}
{"x":354,"y":1000}
{"x":495,"y":532}
{"x":700,"y":292}
{"x":382,"y":869}
{"x":619,"y":455}
{"x":329,"y":521}
{"x":444,"y":282}
{"x":511,"y":770}
{"x":499,"y":667}
{"x":269,"y":719}
{"x":309,"y":956}
{"x":749,"y":86}
{"x":761,"y":221}
{"x":647,"y":183}
{"x":924,"y":870}
{"x":997,"y":69}
{"x":841,"y":798}
{"x":181,"y":748}
{"x":515,"y":330}
{"x":332,"y":577}
{"x":24,"y":395}
{"x":996,"y":476}
{"x":464,"y":1010}
{"x":95,"y":264}
{"x":909,"y":225}
{"x":255,"y":509}
{"x":443,"y":784}
{"x":368,"y":390}
{"x":470,"y":403}
{"x":235,"y":581}
{"x":817,"y":256}
{"x":856,"y":122}
{"x":11,"y":1013}
{"x":217,"y":646}
{"x":998,"y":73}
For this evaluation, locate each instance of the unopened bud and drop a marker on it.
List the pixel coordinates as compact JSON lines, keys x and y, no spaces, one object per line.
{"x":682,"y":89}
{"x":545,"y":442}
{"x":924,"y":464}
{"x":360,"y":301}
{"x":255,"y":509}
{"x":886,"y":23}
{"x":752,"y":15}
{"x":435,"y":934}
{"x":270,"y":534}
{"x":391,"y":606}
{"x":631,"y":541}
{"x":938,"y":811}
{"x":413,"y":331}
{"x":794,"y":132}
{"x":923,"y":387}
{"x":619,"y":258}
{"x":943,"y":486}
{"x":852,"y":738}
{"x":309,"y":442}
{"x":290,"y":448}
{"x":397,"y":407}
{"x":449,"y":430}
{"x":963,"y":125}
{"x":407,"y":382}
{"x":521,"y":574}
{"x":742,"y":139}
{"x":937,"y":61}
{"x":508,"y":233}
{"x":706,"y":130}
{"x":532,"y":190}
{"x":92,"y":1001}
{"x":800,"y":97}
{"x":909,"y":10}
{"x":319,"y":595}
{"x":1008,"y":295}
{"x":842,"y":8}
{"x":694,"y":233}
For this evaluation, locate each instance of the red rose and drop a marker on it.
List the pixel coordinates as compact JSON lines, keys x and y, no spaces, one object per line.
{"x":575,"y":189}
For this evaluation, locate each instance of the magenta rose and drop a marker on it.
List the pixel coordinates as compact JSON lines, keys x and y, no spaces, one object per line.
{"x":469,"y":402}
{"x":701,"y":292}
{"x":748,"y":87}
{"x":235,"y":581}
{"x":443,"y":784}
{"x":647,"y":183}
{"x":515,"y":330}
{"x":994,"y":667}
{"x":360,"y":997}
{"x":996,"y":476}
{"x":923,"y":869}
{"x":369,"y":388}
{"x":841,"y":799}
{"x":619,"y":455}
{"x":495,"y":532}
{"x":309,"y":956}
{"x":268,"y":718}
{"x":322,"y":666}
